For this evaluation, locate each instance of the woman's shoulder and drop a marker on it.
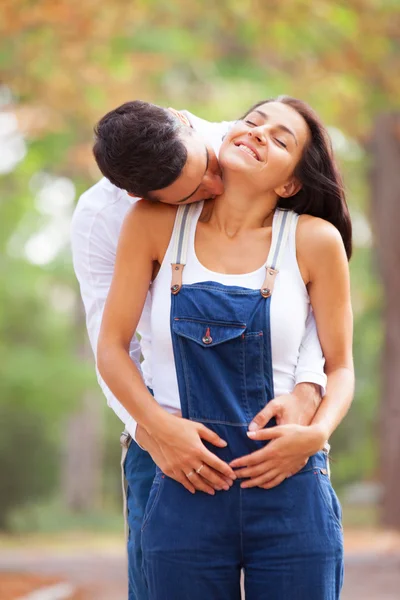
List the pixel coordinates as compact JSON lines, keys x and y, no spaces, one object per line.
{"x":150,"y":224}
{"x":315,"y":234}
{"x":144,"y":212}
{"x":151,"y":218}
{"x":319,"y":246}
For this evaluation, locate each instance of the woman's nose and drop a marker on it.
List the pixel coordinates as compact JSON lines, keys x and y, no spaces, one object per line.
{"x":258,"y":134}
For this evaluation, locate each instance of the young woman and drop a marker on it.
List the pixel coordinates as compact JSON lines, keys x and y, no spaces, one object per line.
{"x":227,"y":323}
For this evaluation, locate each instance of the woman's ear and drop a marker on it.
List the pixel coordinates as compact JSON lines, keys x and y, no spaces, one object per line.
{"x":289,"y":189}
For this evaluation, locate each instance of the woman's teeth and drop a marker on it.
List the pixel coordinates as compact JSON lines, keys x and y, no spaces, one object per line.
{"x":248,"y":150}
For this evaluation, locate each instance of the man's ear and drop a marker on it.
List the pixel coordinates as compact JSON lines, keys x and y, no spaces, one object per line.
{"x":289,"y":189}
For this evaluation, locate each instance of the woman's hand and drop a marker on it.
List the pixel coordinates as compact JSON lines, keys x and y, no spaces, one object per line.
{"x":289,"y":449}
{"x":185,"y":458}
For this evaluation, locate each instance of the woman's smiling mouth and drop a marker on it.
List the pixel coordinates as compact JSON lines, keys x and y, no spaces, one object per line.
{"x":248,"y":149}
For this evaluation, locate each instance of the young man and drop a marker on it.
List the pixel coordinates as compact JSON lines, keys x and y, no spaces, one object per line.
{"x":161,"y":155}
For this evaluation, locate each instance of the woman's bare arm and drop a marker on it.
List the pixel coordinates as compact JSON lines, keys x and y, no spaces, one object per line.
{"x":143,"y":241}
{"x":329,"y":291}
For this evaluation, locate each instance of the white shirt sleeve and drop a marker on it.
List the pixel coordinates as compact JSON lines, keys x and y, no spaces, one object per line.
{"x":212,"y":132}
{"x":94,"y":238}
{"x":311,"y":362}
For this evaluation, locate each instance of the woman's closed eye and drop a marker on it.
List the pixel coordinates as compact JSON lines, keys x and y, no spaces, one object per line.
{"x":250,"y":123}
{"x":281,"y":142}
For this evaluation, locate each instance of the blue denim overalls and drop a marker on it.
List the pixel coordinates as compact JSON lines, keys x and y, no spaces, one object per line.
{"x":288,"y":540}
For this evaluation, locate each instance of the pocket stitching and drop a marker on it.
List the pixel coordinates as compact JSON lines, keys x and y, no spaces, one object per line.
{"x":327,"y":501}
{"x":155,"y":501}
{"x":197,"y":337}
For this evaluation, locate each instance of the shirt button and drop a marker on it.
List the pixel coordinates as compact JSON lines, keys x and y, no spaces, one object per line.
{"x":207,"y":339}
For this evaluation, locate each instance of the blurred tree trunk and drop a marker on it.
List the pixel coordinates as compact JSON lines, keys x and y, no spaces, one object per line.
{"x":83,"y":448}
{"x":386,"y":217}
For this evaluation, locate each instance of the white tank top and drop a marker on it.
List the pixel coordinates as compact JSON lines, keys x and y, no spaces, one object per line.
{"x":290,"y":307}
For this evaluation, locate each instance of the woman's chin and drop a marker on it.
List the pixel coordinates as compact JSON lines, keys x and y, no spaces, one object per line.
{"x":237,"y":164}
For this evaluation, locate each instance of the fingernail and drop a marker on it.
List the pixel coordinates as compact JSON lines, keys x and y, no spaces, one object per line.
{"x":212,"y":493}
{"x":251,"y":434}
{"x":226,"y":488}
{"x":253,"y":426}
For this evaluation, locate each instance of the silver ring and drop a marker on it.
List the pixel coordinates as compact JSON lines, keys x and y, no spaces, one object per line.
{"x":199,"y":469}
{"x":190,"y":473}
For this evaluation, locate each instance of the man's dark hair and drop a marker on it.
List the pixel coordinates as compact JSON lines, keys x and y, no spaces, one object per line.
{"x":139,"y":148}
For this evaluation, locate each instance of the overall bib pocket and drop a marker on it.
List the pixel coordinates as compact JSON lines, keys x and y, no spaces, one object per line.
{"x":217,"y":347}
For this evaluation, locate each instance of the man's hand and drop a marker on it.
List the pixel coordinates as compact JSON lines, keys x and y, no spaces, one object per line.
{"x":268,"y":468}
{"x":148,"y":444}
{"x":298,"y":408}
{"x":176,"y":446}
{"x":286,"y":454}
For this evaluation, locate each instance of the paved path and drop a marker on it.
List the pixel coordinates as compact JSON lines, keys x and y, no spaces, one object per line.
{"x":102,"y":574}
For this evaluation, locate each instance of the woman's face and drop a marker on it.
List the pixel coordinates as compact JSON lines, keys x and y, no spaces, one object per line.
{"x":266,"y":146}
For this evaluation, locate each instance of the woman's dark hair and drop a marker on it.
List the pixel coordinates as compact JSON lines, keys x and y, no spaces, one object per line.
{"x":139,"y":148}
{"x":322,"y":193}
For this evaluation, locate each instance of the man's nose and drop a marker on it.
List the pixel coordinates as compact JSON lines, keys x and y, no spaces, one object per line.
{"x":215,"y":185}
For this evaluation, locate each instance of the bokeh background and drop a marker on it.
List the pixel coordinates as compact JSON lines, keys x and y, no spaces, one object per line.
{"x":63,"y":64}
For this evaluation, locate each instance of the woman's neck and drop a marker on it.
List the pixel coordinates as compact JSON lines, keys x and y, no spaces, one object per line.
{"x":239,"y":209}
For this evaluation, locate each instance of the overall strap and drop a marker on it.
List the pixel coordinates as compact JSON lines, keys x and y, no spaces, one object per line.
{"x":280,"y":232}
{"x":181,"y":234}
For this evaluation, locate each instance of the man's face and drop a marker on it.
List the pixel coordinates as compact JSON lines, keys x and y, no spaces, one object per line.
{"x":200,"y":178}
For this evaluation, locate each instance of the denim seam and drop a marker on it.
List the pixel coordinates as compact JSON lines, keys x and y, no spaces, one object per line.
{"x":242,"y":365}
{"x":212,"y":322}
{"x":241,"y":524}
{"x":217,"y":422}
{"x":260,"y":374}
{"x":244,"y":292}
{"x":127,"y":513}
{"x":268,"y":345}
{"x":187,"y":380}
{"x":159,"y":483}
{"x":201,"y":343}
{"x":302,"y":471}
{"x":325,"y":499}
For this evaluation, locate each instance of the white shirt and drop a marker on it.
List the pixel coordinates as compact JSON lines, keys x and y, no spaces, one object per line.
{"x":95,"y":229}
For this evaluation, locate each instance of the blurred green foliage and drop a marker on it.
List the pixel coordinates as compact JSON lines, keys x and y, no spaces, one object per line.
{"x":63,"y":64}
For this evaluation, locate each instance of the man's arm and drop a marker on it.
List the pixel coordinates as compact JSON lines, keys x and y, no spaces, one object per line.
{"x":311,"y":363}
{"x":95,"y":231}
{"x":94,"y":235}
